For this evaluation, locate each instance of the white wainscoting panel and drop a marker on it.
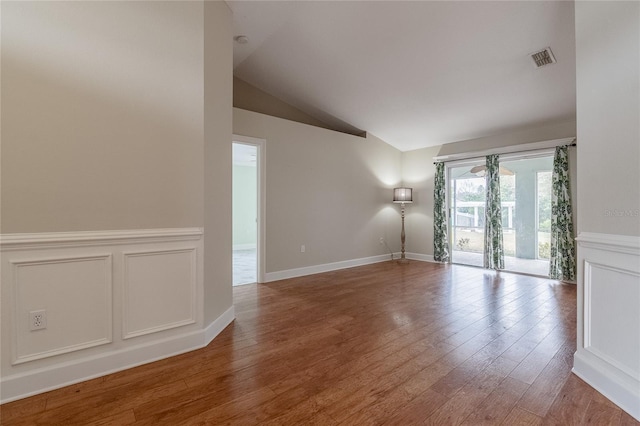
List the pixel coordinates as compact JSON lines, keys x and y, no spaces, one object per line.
{"x":159,"y":291}
{"x":113,"y":300}
{"x":611,"y":298}
{"x":608,"y":346}
{"x":75,"y":293}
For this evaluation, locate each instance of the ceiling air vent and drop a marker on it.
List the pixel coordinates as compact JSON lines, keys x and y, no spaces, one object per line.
{"x":543,"y":57}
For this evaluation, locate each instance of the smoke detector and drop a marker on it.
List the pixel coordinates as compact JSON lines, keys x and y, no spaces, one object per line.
{"x":543,"y":57}
{"x":241,"y":39}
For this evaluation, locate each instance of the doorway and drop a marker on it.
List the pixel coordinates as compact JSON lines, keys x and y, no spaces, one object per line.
{"x":247,"y":210}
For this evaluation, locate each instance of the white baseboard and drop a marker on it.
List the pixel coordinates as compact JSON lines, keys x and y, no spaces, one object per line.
{"x":219,"y":324}
{"x":609,"y":381}
{"x":420,"y":257}
{"x":244,"y":246}
{"x":34,"y":382}
{"x":326,"y":267}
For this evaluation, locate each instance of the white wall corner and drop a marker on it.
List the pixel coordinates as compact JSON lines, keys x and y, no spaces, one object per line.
{"x":608,"y":328}
{"x":219,"y":324}
{"x":621,"y":389}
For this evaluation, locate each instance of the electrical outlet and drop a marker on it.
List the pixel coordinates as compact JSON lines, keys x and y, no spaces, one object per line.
{"x":302,"y":248}
{"x":37,"y":320}
{"x":381,"y":240}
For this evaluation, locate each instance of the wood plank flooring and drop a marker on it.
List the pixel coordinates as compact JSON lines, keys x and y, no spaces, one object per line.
{"x":380,"y":344}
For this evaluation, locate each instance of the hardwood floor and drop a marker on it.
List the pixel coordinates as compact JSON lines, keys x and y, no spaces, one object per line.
{"x":381,"y":344}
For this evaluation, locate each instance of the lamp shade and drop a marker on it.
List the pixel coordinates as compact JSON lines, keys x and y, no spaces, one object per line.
{"x":402,"y":195}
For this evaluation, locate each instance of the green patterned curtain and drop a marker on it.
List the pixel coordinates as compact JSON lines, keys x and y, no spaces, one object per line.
{"x":562,"y":264}
{"x":440,"y":239}
{"x":493,"y":242}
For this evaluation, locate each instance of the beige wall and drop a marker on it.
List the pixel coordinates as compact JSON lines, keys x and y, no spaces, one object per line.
{"x":608,"y":101}
{"x":102,"y":119}
{"x":418,"y":172}
{"x":534,"y":134}
{"x":218,"y":134}
{"x":327,"y":190}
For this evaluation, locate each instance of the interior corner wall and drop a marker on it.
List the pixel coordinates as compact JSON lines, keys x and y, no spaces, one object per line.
{"x":218,"y":139}
{"x":96,"y":133}
{"x":418,"y":172}
{"x":328,"y":191}
{"x":608,"y":105}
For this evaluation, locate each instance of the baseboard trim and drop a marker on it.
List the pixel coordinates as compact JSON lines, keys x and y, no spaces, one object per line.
{"x":421,"y":257}
{"x":334,"y":266}
{"x":609,"y":381}
{"x":34,"y":382}
{"x":219,"y":324}
{"x":326,"y":267}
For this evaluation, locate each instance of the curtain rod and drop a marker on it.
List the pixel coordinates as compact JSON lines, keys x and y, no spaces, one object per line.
{"x":527,"y":147}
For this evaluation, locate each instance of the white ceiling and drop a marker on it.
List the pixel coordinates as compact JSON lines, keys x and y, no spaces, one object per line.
{"x":417,"y":73}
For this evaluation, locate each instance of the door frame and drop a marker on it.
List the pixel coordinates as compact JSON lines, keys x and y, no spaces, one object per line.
{"x":261,"y":157}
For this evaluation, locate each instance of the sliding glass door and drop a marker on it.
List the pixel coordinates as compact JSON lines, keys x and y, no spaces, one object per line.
{"x":525,"y":193}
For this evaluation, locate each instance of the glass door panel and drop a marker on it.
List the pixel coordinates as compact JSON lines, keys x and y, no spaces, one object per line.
{"x":467,"y":202}
{"x":525,"y":190}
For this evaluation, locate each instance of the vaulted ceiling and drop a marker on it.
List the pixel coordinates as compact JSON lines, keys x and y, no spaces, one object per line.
{"x":416,"y":74}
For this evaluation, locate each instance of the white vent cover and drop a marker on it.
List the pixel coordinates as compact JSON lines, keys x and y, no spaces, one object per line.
{"x":543,"y":57}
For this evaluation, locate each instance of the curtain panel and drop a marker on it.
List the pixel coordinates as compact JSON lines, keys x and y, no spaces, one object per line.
{"x":493,"y":240}
{"x":562,"y":264}
{"x":440,"y":237}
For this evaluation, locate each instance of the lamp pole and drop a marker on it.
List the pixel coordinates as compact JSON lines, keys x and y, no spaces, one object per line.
{"x":402,"y":237}
{"x":402,"y":195}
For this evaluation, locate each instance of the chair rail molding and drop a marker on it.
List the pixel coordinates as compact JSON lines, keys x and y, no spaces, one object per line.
{"x":92,"y":238}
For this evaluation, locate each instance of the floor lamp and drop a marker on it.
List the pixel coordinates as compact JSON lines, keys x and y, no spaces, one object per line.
{"x":402,"y":196}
